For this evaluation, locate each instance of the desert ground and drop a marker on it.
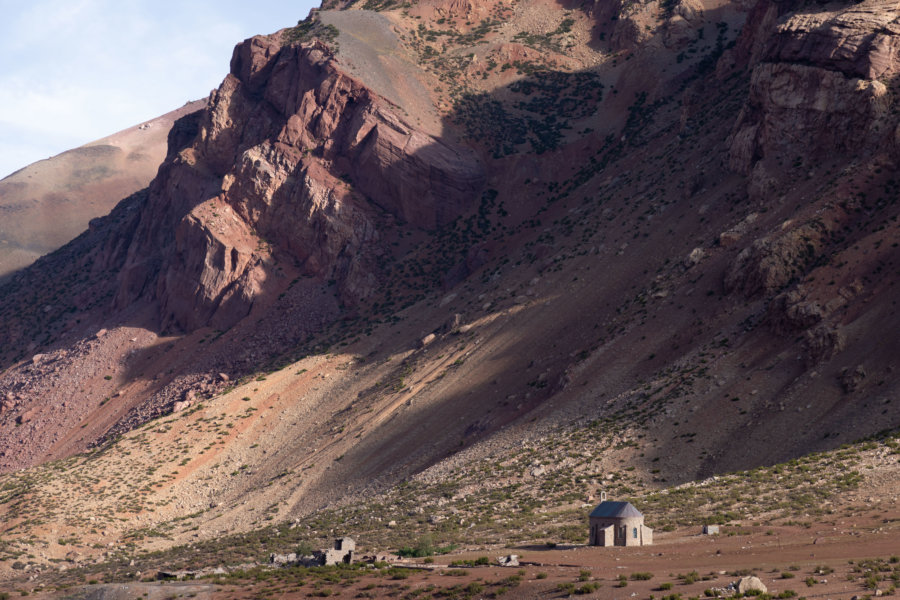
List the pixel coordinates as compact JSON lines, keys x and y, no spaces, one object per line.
{"x":838,"y":558}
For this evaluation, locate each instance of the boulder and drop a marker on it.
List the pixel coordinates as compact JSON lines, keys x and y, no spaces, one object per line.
{"x":181,"y":405}
{"x":747,"y":584}
{"x":510,"y":560}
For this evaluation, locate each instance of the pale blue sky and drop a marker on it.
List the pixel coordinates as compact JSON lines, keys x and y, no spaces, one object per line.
{"x":73,"y":71}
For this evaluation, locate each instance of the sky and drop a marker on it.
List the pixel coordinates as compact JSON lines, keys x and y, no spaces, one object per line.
{"x":73,"y":71}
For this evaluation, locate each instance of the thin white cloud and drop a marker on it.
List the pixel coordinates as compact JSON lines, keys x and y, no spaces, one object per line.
{"x":77,"y":70}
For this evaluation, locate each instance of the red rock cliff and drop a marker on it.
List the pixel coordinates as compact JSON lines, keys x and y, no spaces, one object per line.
{"x":820,"y":84}
{"x":292,"y":159}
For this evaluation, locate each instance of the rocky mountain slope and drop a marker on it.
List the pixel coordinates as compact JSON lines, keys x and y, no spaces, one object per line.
{"x":49,"y":203}
{"x":618,"y":237}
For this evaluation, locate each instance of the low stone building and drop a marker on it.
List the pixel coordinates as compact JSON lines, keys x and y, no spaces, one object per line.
{"x":343,"y":552}
{"x":618,"y":524}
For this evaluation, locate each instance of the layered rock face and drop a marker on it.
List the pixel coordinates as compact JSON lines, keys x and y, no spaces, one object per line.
{"x":820,"y":104}
{"x":293,"y":160}
{"x":820,"y":86}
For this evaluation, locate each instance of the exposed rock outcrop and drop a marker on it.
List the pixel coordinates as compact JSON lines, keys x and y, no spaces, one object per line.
{"x":769,"y":263}
{"x":816,"y":90}
{"x":682,"y":25}
{"x":861,"y":41}
{"x":292,"y":160}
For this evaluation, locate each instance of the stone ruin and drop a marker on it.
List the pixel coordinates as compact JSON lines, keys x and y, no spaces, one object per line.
{"x":343,"y":552}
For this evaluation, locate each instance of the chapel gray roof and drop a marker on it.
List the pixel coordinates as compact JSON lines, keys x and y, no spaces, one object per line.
{"x":609,"y":509}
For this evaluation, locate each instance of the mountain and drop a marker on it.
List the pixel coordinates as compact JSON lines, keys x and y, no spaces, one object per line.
{"x":452,"y":256}
{"x":50,"y":202}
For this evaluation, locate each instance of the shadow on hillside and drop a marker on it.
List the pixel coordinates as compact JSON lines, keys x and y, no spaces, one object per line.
{"x":524,"y":131}
{"x":70,"y":294}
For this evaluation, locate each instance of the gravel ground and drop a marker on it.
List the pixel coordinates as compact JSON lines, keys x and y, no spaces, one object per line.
{"x":370,"y":51}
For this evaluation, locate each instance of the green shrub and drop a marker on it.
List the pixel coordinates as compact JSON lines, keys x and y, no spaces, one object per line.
{"x":424,"y":547}
{"x":753,"y":593}
{"x":641,"y":576}
{"x":566,"y":588}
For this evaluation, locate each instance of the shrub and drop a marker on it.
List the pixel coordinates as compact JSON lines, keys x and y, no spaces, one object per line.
{"x":787,"y":575}
{"x":641,"y":576}
{"x":665,"y":586}
{"x":424,"y":547}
